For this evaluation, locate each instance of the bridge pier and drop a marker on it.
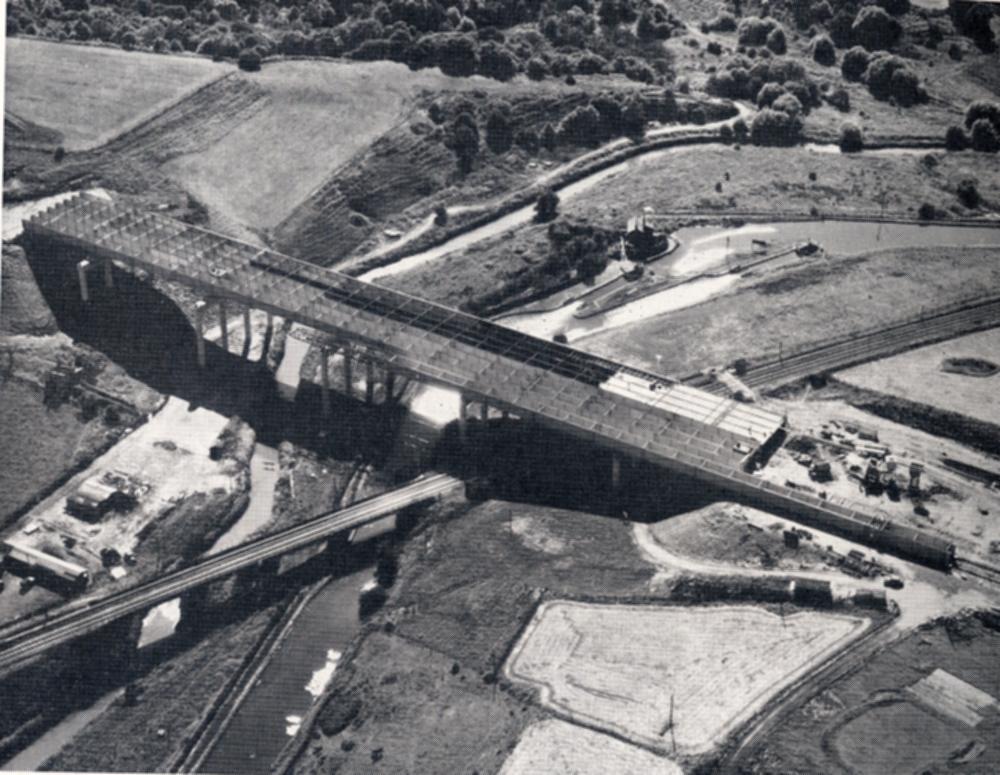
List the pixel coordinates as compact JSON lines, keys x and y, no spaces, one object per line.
{"x":109,"y":280}
{"x":484,"y":411}
{"x":616,"y":471}
{"x":247,"y":331}
{"x":81,"y":274}
{"x":369,"y":381}
{"x":390,"y":385}
{"x":223,"y":324}
{"x":463,"y":416}
{"x":325,"y":368}
{"x":199,"y":328}
{"x":348,"y":371}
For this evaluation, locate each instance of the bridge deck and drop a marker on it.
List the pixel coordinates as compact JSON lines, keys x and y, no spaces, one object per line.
{"x":529,"y":376}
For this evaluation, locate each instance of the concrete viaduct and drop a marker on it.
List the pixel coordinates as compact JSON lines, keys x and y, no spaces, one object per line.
{"x":635,"y":414}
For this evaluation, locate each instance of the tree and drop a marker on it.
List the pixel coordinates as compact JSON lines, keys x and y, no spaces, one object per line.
{"x":527,"y":138}
{"x":499,"y":134}
{"x":580,"y":127}
{"x":851,"y":140}
{"x":537,"y":69}
{"x":776,"y":41}
{"x":753,"y":31}
{"x":823,"y":51}
{"x":773,"y":127}
{"x":984,"y":136}
{"x":249,"y":60}
{"x":982,"y":109}
{"x":465,"y":141}
{"x":840,"y":99}
{"x":634,"y":118}
{"x":955,"y":139}
{"x":895,"y":7}
{"x":874,"y":29}
{"x":548,"y":137}
{"x":768,"y":93}
{"x":547,"y":206}
{"x":456,"y":54}
{"x":496,"y":61}
{"x":855,"y":63}
{"x":888,"y":76}
{"x":609,"y":14}
{"x":788,"y":103}
{"x":609,"y":110}
{"x":968,"y":194}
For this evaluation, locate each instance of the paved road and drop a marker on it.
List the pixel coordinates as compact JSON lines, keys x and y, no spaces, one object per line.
{"x":30,"y":640}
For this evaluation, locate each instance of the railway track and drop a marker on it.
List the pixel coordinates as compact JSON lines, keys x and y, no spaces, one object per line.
{"x":978,"y":569}
{"x":869,"y":346}
{"x":35,"y":637}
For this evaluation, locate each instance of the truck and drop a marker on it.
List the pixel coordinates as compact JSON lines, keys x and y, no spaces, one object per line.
{"x":34,"y":561}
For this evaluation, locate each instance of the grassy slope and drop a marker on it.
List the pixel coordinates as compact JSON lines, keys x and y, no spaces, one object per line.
{"x":831,"y":297}
{"x":91,"y":94}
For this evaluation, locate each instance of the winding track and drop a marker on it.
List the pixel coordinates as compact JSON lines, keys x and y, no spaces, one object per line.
{"x":868,"y":346}
{"x":29,"y":641}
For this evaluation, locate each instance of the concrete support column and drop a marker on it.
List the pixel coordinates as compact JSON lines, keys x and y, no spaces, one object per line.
{"x":325,"y":367}
{"x":224,"y":325}
{"x":81,"y":273}
{"x":390,"y":385}
{"x":369,"y":381}
{"x":484,"y":411}
{"x":199,"y":328}
{"x":348,"y":372}
{"x":109,"y":280}
{"x":463,"y":416}
{"x":247,"y":333}
{"x":616,"y":471}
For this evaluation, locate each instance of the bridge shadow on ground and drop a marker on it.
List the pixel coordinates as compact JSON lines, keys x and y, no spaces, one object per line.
{"x":146,"y":333}
{"x":522,"y":461}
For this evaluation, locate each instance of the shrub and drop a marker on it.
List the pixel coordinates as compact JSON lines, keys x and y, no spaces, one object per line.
{"x":927,"y":212}
{"x":464,"y":141}
{"x":788,"y":103}
{"x":721,"y":22}
{"x":753,"y":31}
{"x":499,"y":133}
{"x":955,"y":139}
{"x":820,"y":12}
{"x":547,"y":206}
{"x":888,"y":76}
{"x":774,"y":127}
{"x":726,"y":133}
{"x":967,"y":193}
{"x":59,"y":154}
{"x":527,"y":139}
{"x":537,"y":69}
{"x":769,"y":93}
{"x":456,"y":54}
{"x":580,"y":127}
{"x":839,"y":28}
{"x":984,"y":136}
{"x":974,"y":19}
{"x":840,"y":99}
{"x":823,"y":51}
{"x":591,"y":64}
{"x":851,"y":140}
{"x":874,"y":29}
{"x":634,"y":118}
{"x":610,"y":112}
{"x":496,"y":61}
{"x":371,"y":601}
{"x":740,"y":130}
{"x":855,"y":63}
{"x":714,"y":48}
{"x":895,"y":7}
{"x":776,"y":41}
{"x":982,"y":109}
{"x":249,"y":60}
{"x":440,"y":215}
{"x":548,"y":137}
{"x":386,"y":568}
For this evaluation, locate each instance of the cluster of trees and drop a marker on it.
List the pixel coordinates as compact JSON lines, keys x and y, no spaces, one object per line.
{"x":887,"y":76}
{"x":558,"y":37}
{"x":754,"y":31}
{"x":576,"y":248}
{"x":981,"y":131}
{"x":765,"y":81}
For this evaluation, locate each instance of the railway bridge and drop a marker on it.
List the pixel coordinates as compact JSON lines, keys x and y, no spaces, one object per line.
{"x":634,"y":413}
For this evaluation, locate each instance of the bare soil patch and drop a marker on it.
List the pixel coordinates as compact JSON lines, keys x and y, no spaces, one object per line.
{"x":612,"y":666}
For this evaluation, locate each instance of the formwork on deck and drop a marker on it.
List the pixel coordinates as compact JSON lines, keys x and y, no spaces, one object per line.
{"x":485,"y":361}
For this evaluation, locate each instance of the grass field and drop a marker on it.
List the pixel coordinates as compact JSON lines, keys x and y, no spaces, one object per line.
{"x":870,"y":722}
{"x":635,"y":670}
{"x":317,"y":116}
{"x":917,"y":376}
{"x":91,"y":94}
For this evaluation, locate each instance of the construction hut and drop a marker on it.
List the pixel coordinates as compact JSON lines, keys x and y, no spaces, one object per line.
{"x":94,"y":498}
{"x":642,"y":242}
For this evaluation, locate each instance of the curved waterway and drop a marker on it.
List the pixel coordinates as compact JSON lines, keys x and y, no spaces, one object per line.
{"x":298,"y":672}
